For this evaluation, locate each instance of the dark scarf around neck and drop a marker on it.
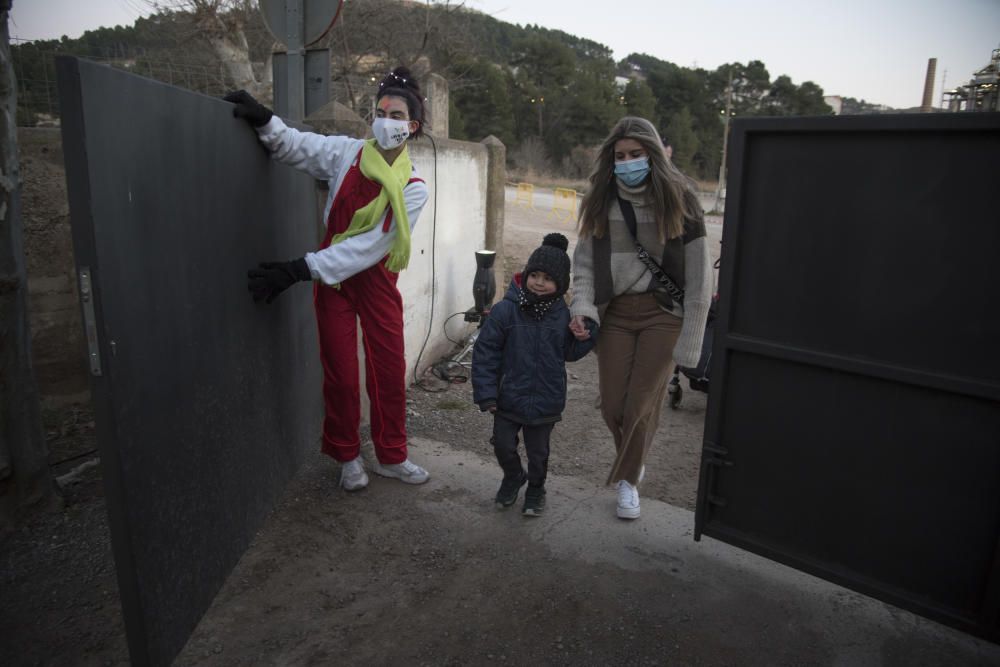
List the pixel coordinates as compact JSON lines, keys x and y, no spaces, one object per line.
{"x":534,"y":305}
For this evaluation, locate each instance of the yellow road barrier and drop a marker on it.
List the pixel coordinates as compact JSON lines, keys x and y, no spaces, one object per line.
{"x":564,"y":203}
{"x":525,"y":194}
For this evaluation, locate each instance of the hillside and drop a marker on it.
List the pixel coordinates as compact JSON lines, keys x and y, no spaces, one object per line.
{"x":550,"y":96}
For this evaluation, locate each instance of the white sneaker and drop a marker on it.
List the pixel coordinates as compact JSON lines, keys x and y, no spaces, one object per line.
{"x":353,"y":476}
{"x":407,"y":471}
{"x":628,"y":501}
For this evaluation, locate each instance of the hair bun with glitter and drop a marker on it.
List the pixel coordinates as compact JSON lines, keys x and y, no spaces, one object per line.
{"x":400,"y":78}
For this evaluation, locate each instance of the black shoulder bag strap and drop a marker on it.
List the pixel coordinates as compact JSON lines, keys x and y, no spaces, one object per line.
{"x":675,"y":292}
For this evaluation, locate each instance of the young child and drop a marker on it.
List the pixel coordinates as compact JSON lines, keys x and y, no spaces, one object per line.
{"x":519,"y":369}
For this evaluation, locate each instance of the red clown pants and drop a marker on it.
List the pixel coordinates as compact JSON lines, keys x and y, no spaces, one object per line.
{"x":372,"y":297}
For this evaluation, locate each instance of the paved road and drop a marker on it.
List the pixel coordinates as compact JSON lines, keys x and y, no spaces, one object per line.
{"x":543,"y":199}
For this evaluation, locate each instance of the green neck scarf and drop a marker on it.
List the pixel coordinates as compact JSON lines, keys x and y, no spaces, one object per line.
{"x":392,"y":179}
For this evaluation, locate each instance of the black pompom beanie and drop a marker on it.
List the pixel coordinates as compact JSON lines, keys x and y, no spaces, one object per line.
{"x":551,"y":258}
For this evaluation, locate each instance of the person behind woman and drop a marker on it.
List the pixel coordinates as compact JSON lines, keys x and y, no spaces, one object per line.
{"x":642,"y":326}
{"x":374,"y":202}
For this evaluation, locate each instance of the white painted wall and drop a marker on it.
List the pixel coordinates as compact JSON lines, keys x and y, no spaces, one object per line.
{"x":456,"y":211}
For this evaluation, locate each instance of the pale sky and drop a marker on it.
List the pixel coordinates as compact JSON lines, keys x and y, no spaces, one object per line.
{"x":871,"y":49}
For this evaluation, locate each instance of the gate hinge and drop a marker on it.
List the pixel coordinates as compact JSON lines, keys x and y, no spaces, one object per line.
{"x":715,"y":455}
{"x":90,"y":321}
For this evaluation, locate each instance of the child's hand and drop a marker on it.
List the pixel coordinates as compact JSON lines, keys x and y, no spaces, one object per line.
{"x":578,"y":328}
{"x":492,"y":409}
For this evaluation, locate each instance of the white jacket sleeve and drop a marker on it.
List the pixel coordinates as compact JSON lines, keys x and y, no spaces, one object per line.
{"x":337,"y":263}
{"x":319,"y":155}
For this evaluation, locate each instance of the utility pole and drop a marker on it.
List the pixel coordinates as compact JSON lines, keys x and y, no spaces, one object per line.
{"x":725,"y":141}
{"x":539,"y":101}
{"x":24,"y":472}
{"x":295,"y":77}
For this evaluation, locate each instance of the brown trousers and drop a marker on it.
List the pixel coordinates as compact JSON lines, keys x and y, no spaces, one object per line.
{"x":634,"y":359}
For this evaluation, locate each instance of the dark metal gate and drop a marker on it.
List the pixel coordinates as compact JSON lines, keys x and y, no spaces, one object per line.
{"x":205,"y":403}
{"x":853,"y":427}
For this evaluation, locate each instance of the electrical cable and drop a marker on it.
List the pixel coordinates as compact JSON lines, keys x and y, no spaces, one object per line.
{"x":444,"y":327}
{"x":430,"y":323}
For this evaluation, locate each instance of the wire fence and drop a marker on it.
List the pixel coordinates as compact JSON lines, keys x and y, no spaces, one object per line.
{"x":38,"y":97}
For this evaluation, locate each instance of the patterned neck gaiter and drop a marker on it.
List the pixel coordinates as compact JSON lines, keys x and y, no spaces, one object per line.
{"x":535,"y":305}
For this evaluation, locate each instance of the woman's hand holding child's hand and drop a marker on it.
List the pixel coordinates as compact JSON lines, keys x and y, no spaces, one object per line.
{"x":578,"y":328}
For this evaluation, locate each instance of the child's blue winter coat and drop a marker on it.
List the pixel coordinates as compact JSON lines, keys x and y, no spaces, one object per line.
{"x":519,"y":363}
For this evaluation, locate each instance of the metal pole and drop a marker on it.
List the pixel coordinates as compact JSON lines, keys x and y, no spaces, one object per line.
{"x":294,"y":36}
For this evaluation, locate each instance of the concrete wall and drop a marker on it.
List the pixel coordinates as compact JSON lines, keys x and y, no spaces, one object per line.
{"x":458,"y":221}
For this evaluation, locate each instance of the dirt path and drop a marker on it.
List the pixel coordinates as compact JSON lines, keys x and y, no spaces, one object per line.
{"x":397,"y":575}
{"x":581,"y":442}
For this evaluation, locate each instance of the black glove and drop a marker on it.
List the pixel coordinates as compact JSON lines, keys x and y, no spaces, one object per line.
{"x":247,"y":107}
{"x":273,"y":278}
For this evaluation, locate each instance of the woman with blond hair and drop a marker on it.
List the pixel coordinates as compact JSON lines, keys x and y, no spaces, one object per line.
{"x":642,"y":271}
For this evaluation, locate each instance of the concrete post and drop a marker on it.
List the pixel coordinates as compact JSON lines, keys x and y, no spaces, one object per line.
{"x":496,"y":184}
{"x":437,"y":105}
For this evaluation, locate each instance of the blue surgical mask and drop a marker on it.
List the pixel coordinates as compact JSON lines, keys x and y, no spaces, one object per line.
{"x":632,"y":172}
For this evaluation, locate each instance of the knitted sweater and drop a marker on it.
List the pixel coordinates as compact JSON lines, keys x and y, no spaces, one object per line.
{"x":687,"y":262}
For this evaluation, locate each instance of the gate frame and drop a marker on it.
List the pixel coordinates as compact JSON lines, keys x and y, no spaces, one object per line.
{"x":714,"y":453}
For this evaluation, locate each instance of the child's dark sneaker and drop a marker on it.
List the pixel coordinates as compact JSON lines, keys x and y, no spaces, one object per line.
{"x":534,"y":501}
{"x":509,"y":488}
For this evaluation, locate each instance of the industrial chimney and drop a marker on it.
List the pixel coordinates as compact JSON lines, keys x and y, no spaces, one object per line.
{"x":925,"y":107}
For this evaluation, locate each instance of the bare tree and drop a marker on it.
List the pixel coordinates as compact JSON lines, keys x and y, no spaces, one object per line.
{"x":224,"y":24}
{"x":374,"y":36}
{"x":24,"y":472}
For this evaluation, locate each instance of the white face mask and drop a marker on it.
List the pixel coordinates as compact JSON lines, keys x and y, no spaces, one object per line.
{"x":390,"y":133}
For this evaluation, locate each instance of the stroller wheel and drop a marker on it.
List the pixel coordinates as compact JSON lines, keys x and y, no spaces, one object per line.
{"x":675,"y":392}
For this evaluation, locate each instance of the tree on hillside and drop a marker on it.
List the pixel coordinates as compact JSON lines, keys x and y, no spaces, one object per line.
{"x":781,"y":98}
{"x":787,"y":99}
{"x":751,"y":84}
{"x":639,"y":101}
{"x":852,"y":106}
{"x":541,"y":70}
{"x":481,"y":103}
{"x":810,"y":102}
{"x":680,"y":131}
{"x":224,"y":25}
{"x":372,"y":37}
{"x":587,"y":111}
